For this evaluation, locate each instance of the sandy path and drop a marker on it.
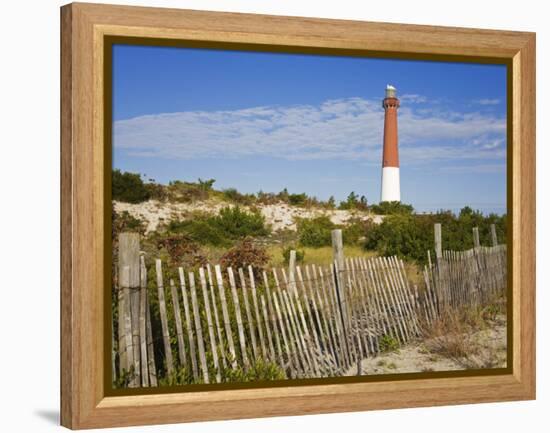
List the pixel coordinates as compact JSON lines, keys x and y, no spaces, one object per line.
{"x":489,"y":346}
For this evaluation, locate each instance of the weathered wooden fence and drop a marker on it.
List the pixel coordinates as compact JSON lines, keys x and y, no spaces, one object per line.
{"x":472,"y":277}
{"x":466,"y":278}
{"x":312,"y":321}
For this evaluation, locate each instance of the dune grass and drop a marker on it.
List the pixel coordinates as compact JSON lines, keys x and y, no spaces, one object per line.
{"x":464,"y":335}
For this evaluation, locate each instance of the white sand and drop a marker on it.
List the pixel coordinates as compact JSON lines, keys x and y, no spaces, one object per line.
{"x":489,"y":345}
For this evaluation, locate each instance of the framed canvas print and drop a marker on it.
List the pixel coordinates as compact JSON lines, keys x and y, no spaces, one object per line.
{"x":269,"y":216}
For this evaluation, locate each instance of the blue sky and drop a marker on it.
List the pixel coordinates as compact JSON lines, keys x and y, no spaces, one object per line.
{"x":314,"y":124}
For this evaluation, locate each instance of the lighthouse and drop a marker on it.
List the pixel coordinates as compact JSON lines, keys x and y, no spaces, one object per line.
{"x":391,"y":190}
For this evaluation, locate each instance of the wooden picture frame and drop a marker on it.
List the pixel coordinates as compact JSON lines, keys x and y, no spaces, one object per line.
{"x":84,"y":29}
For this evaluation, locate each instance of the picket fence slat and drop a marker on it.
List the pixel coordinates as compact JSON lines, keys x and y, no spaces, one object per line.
{"x":164,"y":319}
{"x":198,"y":328}
{"x":177,"y":319}
{"x":257,"y":311}
{"x":237,"y":307}
{"x":216,"y":316}
{"x":143,"y":323}
{"x":226,"y":320}
{"x":188,"y":324}
{"x":211,"y":333}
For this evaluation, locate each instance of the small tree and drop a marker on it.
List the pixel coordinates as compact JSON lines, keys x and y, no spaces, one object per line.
{"x":283,"y":195}
{"x":297,"y":199}
{"x":354,"y":202}
{"x":363,"y":203}
{"x":206,"y":185}
{"x":128,"y":187}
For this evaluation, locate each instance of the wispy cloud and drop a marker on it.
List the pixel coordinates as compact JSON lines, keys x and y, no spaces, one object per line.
{"x":348,"y":128}
{"x":413,"y":98}
{"x":486,"y":101}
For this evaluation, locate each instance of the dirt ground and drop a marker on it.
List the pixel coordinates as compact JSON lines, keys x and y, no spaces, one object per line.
{"x":488,"y":350}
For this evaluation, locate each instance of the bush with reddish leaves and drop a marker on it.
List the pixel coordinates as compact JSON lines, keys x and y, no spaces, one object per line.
{"x":245,"y":253}
{"x":182,"y":251}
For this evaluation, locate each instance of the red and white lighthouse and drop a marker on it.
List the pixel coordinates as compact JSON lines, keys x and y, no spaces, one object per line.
{"x":390,"y":159}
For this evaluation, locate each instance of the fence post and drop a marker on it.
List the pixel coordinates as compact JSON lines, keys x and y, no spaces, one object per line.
{"x":125,"y":319}
{"x":339,"y":264}
{"x":128,"y":258}
{"x":338,"y":249}
{"x":494,"y":238}
{"x":292,"y":272}
{"x":113,"y":350}
{"x":143,"y":322}
{"x":438,"y":263}
{"x":475,"y":231}
{"x":437,"y":241}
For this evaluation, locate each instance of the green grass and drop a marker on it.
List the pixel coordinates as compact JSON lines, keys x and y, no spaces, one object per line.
{"x":318,"y":256}
{"x":389,"y":344}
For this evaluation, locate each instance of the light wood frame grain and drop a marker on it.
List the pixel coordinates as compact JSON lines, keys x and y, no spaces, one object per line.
{"x":84,"y":403}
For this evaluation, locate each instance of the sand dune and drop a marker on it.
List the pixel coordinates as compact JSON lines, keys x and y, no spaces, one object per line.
{"x":279,"y":216}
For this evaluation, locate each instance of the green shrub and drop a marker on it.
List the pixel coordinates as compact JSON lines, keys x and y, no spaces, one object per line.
{"x":301,"y":199}
{"x":267,"y":198}
{"x":300,"y":254}
{"x":200,"y":229}
{"x":391,"y":208}
{"x":388,"y":344}
{"x":186,"y":192}
{"x":180,"y":376}
{"x":354,"y":202}
{"x":124,"y":379}
{"x":354,"y":231}
{"x":157,"y":191}
{"x":297,"y":199}
{"x":283,"y":195}
{"x":403,"y":235}
{"x":260,"y":370}
{"x":232,"y":195}
{"x":125,"y":222}
{"x":315,"y":232}
{"x":238,"y":224}
{"x":330,"y":203}
{"x":128,"y":187}
{"x":410,"y":236}
{"x":231,"y":224}
{"x":206,"y":185}
{"x":490,"y":312}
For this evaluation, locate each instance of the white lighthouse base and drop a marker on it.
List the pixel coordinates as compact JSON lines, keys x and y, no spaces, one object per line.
{"x":391,"y":190}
